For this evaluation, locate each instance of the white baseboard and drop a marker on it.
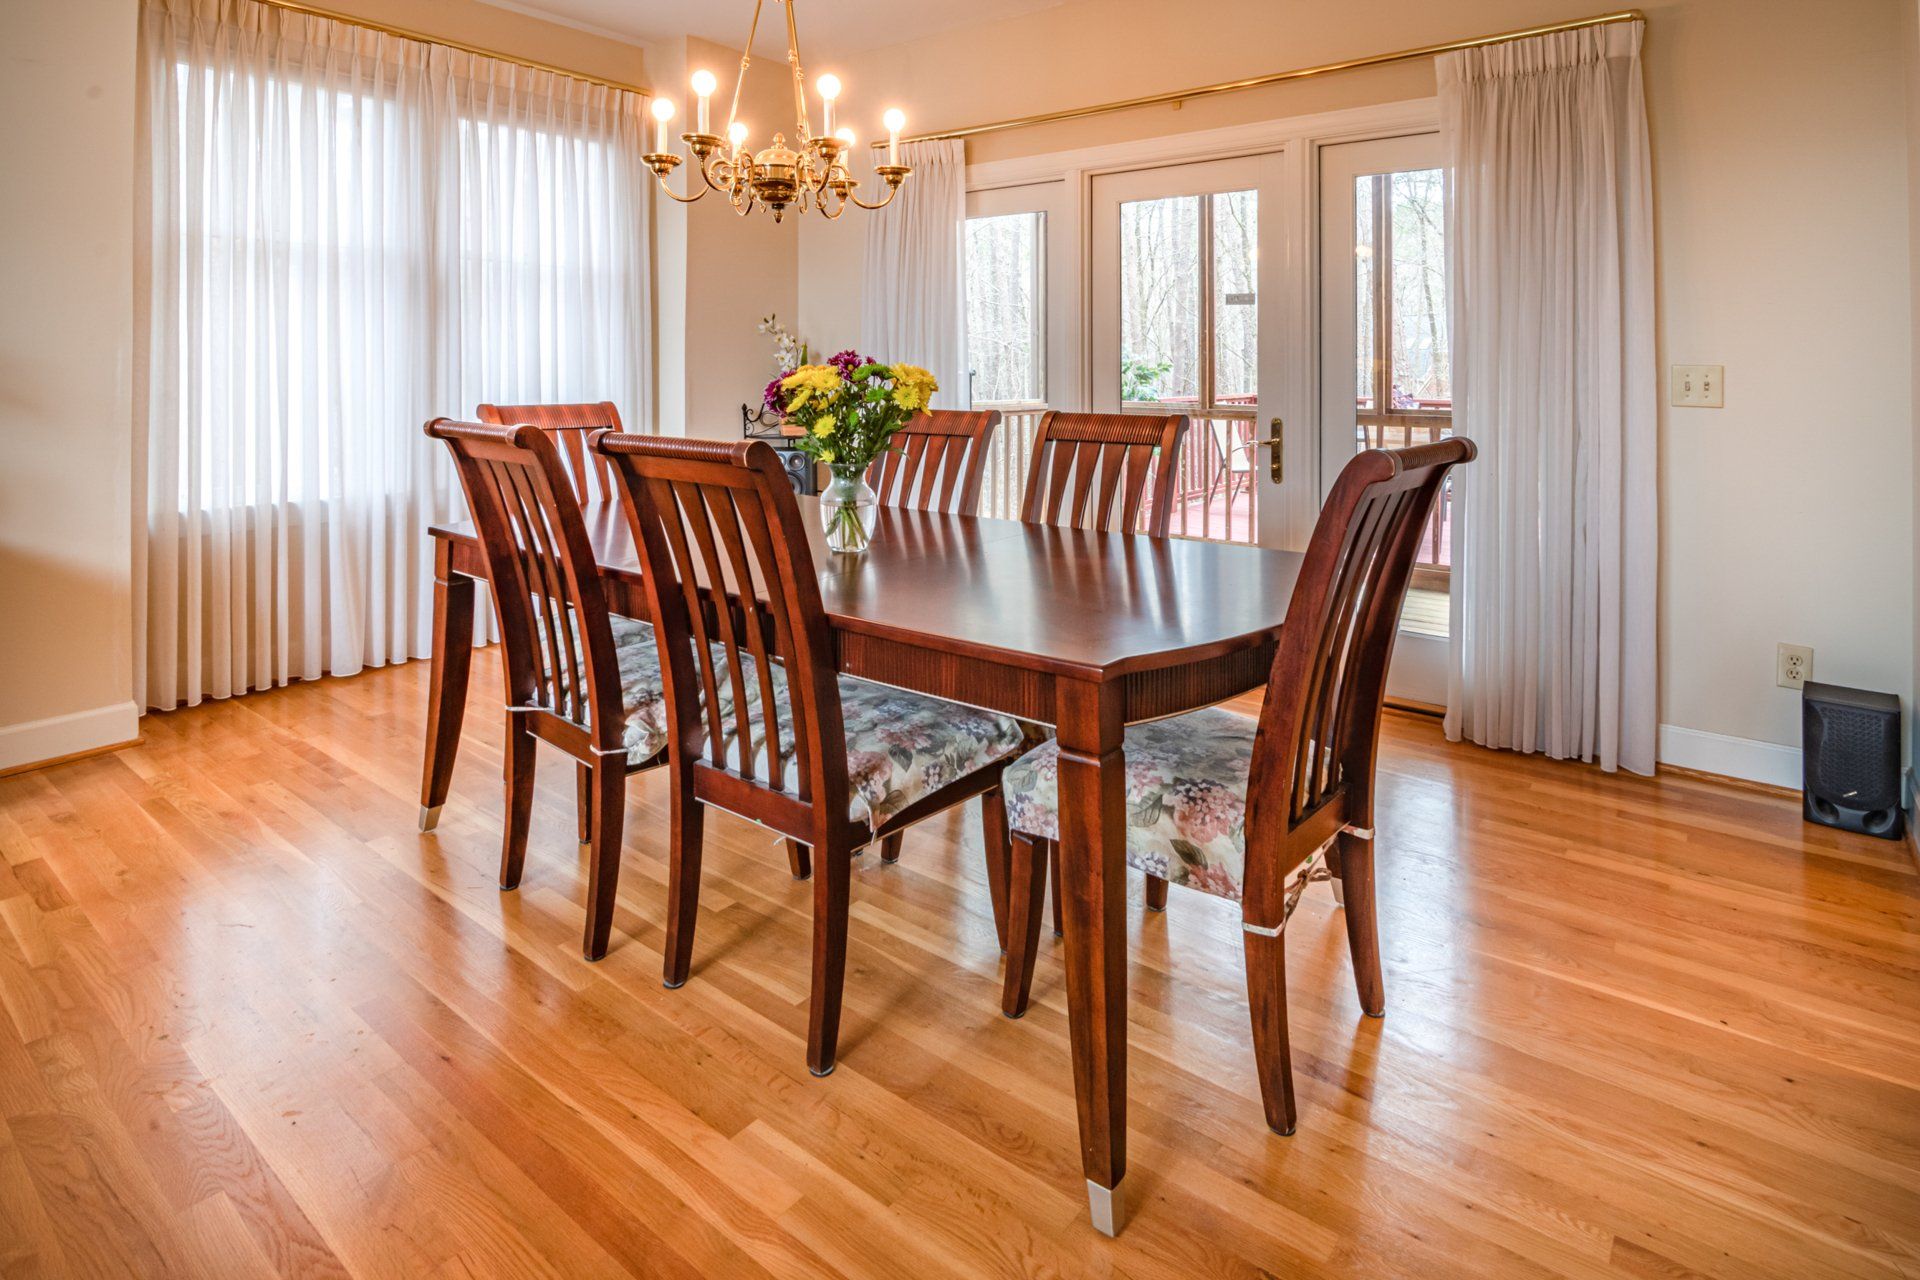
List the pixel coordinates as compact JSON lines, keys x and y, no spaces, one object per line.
{"x":38,"y":740}
{"x":1766,"y":762}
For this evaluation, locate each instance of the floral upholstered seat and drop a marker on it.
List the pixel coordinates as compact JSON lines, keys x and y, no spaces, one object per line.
{"x":901,"y":746}
{"x":1186,"y":798}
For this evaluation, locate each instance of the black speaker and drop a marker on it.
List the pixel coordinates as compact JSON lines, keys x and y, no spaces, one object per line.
{"x":800,"y":471}
{"x":1850,"y":752}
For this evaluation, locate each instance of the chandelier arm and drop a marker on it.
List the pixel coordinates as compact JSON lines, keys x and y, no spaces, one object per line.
{"x":697,"y":193}
{"x":878,"y":204}
{"x":746,"y":58}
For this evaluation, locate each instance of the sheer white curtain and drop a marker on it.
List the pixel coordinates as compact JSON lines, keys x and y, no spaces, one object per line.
{"x":351,"y":233}
{"x":914,"y":309}
{"x":1551,"y":268}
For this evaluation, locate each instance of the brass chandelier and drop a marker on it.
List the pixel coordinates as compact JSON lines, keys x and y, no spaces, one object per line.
{"x":813,"y":171}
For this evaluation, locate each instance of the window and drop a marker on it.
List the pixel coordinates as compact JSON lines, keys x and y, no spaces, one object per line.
{"x":1404,"y":377}
{"x":1006,"y":306}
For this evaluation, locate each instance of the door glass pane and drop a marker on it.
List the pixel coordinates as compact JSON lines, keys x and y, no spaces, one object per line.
{"x":1160,"y":300}
{"x":1005,"y":346}
{"x":1236,"y":313}
{"x":1363,"y":301}
{"x":1422,"y":368}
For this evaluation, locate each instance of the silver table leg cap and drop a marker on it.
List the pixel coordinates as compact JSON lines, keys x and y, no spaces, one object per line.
{"x":1339,"y":891}
{"x":430,"y":816}
{"x":1106,"y":1207}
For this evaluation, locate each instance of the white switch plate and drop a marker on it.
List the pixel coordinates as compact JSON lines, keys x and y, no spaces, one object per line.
{"x":1699,"y":386}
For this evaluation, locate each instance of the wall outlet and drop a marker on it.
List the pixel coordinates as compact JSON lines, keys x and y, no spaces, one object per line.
{"x":1795,"y":662}
{"x":1699,"y":386}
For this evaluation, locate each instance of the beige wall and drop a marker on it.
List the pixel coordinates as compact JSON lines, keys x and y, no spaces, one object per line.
{"x":1780,"y":138}
{"x":1910,"y":47}
{"x":67,"y":356}
{"x":66,"y":361}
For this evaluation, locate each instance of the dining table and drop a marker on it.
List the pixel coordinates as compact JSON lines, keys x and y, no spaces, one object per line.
{"x":1081,"y":630}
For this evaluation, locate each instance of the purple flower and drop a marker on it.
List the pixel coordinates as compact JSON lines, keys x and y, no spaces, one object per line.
{"x":849,"y":360}
{"x":773,"y":397}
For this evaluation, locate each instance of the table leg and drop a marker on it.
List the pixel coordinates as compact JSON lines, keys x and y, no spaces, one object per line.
{"x":450,"y":661}
{"x":1093,"y":874}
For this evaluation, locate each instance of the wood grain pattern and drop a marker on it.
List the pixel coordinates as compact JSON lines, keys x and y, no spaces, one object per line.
{"x":251,"y":1024}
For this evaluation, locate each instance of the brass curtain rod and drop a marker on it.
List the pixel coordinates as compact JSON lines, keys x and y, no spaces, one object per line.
{"x":1278,"y":77}
{"x":314,"y":11}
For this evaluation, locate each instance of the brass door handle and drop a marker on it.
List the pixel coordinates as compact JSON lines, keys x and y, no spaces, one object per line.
{"x":1277,"y":460}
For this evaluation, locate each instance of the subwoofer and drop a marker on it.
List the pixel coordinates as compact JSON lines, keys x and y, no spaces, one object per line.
{"x":1850,"y":755}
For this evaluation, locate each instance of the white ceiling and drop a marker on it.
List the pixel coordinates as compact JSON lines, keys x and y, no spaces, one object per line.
{"x":826,"y":26}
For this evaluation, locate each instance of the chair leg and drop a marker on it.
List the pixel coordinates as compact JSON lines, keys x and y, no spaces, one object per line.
{"x":832,"y":885}
{"x":799,"y":860}
{"x":1053,"y":871}
{"x":1267,"y":999}
{"x":1156,"y":893}
{"x":993,"y":834}
{"x":519,"y":761}
{"x":1026,"y":886}
{"x":1363,"y":930}
{"x":609,"y":793}
{"x":890,"y":847}
{"x":583,"y":789}
{"x":686,"y":832}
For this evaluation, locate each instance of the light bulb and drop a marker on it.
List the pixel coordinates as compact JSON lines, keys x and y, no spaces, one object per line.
{"x":895,"y":119}
{"x":845,"y":135}
{"x":662,"y":133}
{"x":703,"y":86}
{"x":829,"y":86}
{"x":737,"y":133}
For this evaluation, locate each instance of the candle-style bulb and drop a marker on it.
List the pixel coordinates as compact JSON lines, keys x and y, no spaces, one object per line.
{"x":737,"y":134}
{"x":829,"y":86}
{"x":895,"y":119}
{"x":703,"y":86}
{"x":662,"y":113}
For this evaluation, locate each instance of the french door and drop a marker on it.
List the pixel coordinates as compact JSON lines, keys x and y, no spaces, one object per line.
{"x":1189,"y":268}
{"x":1386,"y":370}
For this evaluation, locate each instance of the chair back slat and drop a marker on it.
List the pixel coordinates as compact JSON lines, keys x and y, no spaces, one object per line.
{"x":736,"y":602}
{"x":1313,"y":760}
{"x":937,"y":462}
{"x":569,"y":425}
{"x":1104,"y":471}
{"x":554,"y":625}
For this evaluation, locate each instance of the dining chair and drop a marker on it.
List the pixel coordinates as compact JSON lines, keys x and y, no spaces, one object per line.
{"x":937,"y":462}
{"x":568,"y":425}
{"x":1092,"y":470}
{"x":577,"y":677}
{"x":759,"y":722}
{"x":1255,"y":810}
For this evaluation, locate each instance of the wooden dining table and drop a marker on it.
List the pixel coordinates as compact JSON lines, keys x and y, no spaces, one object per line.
{"x":1084,"y":631}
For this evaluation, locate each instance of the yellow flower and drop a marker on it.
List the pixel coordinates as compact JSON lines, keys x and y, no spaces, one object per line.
{"x":912,"y":387}
{"x":826,"y":456}
{"x":824,"y":426}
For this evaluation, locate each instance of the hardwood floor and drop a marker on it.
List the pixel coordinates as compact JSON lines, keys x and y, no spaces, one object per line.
{"x":254,"y":1025}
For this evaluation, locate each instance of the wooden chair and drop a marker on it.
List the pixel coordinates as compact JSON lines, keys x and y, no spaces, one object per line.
{"x":1255,"y":810}
{"x":569,"y":425}
{"x":1092,"y":470}
{"x":937,"y":462}
{"x":937,"y":465}
{"x":576,"y":677}
{"x":760,"y":723}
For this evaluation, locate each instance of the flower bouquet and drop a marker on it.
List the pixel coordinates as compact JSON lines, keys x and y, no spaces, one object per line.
{"x":850,"y":407}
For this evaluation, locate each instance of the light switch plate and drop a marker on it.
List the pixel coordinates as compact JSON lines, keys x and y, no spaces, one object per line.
{"x":1699,"y":386}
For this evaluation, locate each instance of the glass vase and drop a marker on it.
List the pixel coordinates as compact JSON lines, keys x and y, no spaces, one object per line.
{"x":847,"y":510}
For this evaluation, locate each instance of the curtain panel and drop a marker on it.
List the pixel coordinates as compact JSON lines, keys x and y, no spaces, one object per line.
{"x":1551,"y":274}
{"x":914,"y":305}
{"x":348,"y":233}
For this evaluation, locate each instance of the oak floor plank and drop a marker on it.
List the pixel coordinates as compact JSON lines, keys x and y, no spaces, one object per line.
{"x":253,"y":1023}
